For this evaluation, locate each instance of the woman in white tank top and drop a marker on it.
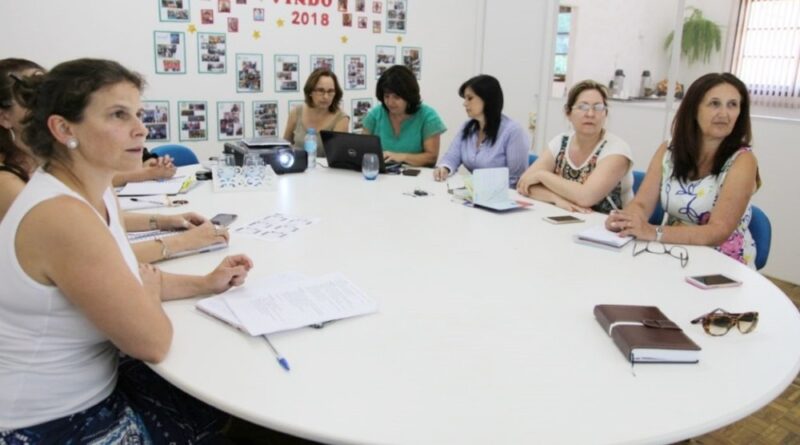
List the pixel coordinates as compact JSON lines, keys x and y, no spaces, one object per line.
{"x":71,"y":282}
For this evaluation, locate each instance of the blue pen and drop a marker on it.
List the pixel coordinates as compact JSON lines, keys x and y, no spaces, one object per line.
{"x":281,"y":360}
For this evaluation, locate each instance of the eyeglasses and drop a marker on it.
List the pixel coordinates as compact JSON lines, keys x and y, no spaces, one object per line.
{"x":323,"y":92}
{"x":719,"y":321}
{"x":583,"y":107}
{"x":657,"y":248}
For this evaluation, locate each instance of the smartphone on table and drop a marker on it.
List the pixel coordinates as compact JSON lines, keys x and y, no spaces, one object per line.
{"x":223,"y":219}
{"x":712,"y":281}
{"x":562,"y":219}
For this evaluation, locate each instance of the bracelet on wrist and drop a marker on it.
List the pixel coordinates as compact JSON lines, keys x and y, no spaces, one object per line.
{"x":153,"y":222}
{"x":165,"y":253}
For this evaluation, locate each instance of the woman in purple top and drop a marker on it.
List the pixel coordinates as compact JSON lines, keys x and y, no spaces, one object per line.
{"x":489,"y":138}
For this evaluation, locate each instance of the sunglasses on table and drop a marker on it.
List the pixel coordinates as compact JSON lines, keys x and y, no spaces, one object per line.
{"x":719,"y":321}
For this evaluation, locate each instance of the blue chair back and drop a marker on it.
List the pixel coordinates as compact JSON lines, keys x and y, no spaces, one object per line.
{"x":761,"y":229}
{"x":532,"y":158}
{"x":658,"y":212}
{"x":181,"y":154}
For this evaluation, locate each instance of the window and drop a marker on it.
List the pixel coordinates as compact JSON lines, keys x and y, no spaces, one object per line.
{"x":562,"y":43}
{"x":767,"y":52}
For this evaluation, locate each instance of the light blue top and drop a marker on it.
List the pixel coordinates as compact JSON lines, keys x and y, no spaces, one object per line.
{"x":413,"y":131}
{"x":510,"y":149}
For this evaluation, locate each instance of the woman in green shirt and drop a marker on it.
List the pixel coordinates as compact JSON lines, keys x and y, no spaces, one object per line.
{"x":409,"y":130}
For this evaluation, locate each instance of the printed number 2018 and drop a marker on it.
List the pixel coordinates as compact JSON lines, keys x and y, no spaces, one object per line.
{"x":304,"y":18}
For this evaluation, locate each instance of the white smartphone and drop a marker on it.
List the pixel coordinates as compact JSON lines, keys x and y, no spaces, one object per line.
{"x":712,"y":281}
{"x":562,"y":219}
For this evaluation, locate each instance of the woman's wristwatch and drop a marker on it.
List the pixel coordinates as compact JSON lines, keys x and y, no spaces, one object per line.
{"x":659,"y":233}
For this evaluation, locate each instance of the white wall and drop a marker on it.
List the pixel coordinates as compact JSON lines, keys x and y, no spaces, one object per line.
{"x":51,"y":31}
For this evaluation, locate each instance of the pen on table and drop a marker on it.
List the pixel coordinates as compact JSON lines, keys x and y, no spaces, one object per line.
{"x":148,"y":201}
{"x":281,"y":360}
{"x":611,"y":201}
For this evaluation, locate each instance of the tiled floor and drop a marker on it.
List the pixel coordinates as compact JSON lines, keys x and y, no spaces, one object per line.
{"x":776,"y":423}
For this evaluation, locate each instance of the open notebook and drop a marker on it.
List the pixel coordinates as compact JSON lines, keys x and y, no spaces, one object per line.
{"x":490,"y":190}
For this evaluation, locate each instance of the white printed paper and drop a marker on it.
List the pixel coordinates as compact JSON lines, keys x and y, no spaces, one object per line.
{"x":275,"y":227}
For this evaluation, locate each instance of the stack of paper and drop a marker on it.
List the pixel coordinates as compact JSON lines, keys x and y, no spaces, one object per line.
{"x":283,"y":302}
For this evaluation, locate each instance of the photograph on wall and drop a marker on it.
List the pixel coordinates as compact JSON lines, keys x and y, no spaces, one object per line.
{"x":258,"y":14}
{"x":287,"y":72}
{"x":355,"y":72}
{"x":396,"y":15}
{"x":230,"y":120}
{"x":224,"y":6}
{"x":249,"y":73}
{"x":385,"y":57}
{"x":347,"y":20}
{"x":362,"y":22}
{"x":321,"y":61}
{"x":213,"y":53}
{"x":376,"y":26}
{"x":192,"y":121}
{"x":412,"y":58}
{"x":155,"y":116}
{"x":342,"y":6}
{"x":207,"y":16}
{"x":170,"y":52}
{"x":361,"y":5}
{"x":377,"y":7}
{"x":359,"y":109}
{"x":233,"y":24}
{"x":173,"y":10}
{"x":265,"y":118}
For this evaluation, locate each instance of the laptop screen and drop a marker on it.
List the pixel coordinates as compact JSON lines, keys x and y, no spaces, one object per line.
{"x":345,"y":150}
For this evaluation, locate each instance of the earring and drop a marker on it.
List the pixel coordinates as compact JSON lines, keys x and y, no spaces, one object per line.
{"x":72,"y":143}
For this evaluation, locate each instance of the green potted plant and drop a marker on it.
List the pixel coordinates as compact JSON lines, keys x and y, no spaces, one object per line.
{"x":701,"y":37}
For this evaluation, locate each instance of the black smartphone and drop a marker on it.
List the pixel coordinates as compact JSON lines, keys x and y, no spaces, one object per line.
{"x":410,"y":172}
{"x":712,"y":281}
{"x":562,"y":219}
{"x":223,"y":219}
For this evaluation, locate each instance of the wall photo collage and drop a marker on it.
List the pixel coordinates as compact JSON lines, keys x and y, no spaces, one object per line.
{"x":251,"y":70}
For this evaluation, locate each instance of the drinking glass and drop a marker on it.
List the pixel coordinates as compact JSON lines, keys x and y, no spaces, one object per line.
{"x":370,"y":166}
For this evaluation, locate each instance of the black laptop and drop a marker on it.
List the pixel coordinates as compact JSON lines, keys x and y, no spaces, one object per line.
{"x":345,"y":150}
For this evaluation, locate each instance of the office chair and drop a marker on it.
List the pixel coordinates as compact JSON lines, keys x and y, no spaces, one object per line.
{"x":761,"y":229}
{"x":181,"y":154}
{"x":532,"y":158}
{"x":658,"y":212}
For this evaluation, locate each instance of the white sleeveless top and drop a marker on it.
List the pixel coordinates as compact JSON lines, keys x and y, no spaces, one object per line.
{"x":53,"y":361}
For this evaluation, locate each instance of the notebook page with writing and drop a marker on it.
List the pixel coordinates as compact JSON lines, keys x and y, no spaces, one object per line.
{"x":313,"y":301}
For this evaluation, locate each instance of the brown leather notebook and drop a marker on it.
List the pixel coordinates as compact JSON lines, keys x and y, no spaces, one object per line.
{"x":645,"y":335}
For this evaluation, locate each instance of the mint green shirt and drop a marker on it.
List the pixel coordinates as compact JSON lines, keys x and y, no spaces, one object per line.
{"x":413,"y":131}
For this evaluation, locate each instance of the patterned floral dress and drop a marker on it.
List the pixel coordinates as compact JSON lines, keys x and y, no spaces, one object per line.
{"x":580,"y":175}
{"x":691,"y":203}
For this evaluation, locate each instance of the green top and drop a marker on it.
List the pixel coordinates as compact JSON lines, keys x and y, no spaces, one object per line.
{"x":413,"y":131}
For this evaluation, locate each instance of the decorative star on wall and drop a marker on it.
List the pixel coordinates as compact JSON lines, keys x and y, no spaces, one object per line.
{"x":256,"y":34}
{"x":344,"y":39}
{"x":279,"y":23}
{"x":192,"y":29}
{"x":399,"y":39}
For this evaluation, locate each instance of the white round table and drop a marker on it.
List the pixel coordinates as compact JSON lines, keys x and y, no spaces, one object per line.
{"x":485,"y":332}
